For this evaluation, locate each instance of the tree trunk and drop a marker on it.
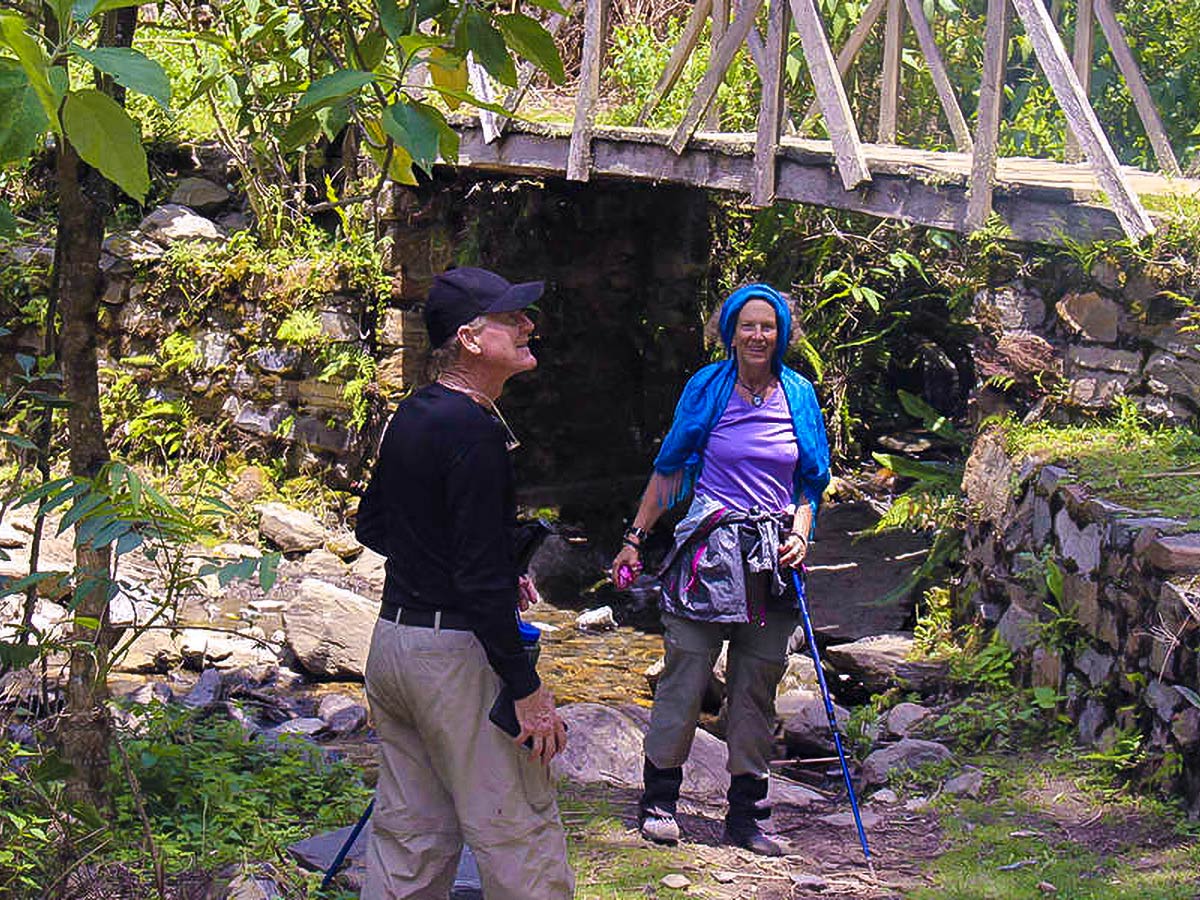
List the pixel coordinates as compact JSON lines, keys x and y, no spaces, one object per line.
{"x":84,"y":733}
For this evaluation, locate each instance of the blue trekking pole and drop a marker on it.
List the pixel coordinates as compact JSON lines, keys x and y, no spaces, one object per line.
{"x":802,"y":599}
{"x":341,"y":855}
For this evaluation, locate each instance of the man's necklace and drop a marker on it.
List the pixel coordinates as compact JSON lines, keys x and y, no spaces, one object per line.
{"x":511,"y":443}
{"x":759,"y":397}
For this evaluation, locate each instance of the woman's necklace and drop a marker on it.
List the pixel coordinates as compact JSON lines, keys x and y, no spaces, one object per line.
{"x":759,"y":397}
{"x":511,"y":443}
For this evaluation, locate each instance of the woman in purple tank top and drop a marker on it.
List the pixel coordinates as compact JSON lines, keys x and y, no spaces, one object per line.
{"x":748,"y":446}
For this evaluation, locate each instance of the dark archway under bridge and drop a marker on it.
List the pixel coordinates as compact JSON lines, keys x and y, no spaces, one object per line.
{"x":1039,"y":200}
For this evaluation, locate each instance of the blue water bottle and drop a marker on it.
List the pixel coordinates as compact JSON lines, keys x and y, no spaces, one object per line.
{"x":530,"y":639}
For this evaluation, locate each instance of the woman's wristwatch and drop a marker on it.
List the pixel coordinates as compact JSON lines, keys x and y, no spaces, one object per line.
{"x":634,"y":532}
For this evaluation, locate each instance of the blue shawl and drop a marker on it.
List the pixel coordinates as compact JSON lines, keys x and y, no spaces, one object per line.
{"x":707,"y":392}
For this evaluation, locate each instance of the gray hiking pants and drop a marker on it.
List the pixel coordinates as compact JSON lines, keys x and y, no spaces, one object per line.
{"x":447,"y":774}
{"x":757,"y":659}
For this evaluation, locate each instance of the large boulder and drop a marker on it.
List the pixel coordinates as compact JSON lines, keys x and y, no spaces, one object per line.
{"x":291,"y":530}
{"x":606,"y":746}
{"x":329,"y":629}
{"x":806,"y":729}
{"x":851,"y":572}
{"x":874,"y":664}
{"x":909,"y":753}
{"x":200,"y":193}
{"x":172,"y":222}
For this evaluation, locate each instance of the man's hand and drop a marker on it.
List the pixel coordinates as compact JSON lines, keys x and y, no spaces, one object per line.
{"x":527,"y":593}
{"x":540,"y":723}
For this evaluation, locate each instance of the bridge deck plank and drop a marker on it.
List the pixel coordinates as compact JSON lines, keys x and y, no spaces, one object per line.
{"x":1039,"y":199}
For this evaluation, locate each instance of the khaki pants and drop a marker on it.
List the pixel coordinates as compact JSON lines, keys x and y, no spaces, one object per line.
{"x":757,"y":659}
{"x":447,"y":774}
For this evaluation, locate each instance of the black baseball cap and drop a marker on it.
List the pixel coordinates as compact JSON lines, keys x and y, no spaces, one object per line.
{"x":459,"y":295}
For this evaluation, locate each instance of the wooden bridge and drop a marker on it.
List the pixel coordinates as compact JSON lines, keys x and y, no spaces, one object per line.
{"x":1038,"y":200}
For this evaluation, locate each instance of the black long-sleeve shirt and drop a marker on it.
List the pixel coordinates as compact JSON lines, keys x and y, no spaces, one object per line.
{"x":440,"y":506}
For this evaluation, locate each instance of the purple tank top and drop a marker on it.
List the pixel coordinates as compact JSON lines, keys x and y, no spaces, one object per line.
{"x":751,"y":455}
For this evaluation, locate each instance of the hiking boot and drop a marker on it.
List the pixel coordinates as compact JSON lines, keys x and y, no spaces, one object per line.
{"x":750,"y":837}
{"x":747,"y":807}
{"x":656,"y":810}
{"x":660,"y":827}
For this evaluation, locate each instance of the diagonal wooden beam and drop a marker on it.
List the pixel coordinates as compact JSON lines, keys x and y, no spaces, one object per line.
{"x":481,"y":87}
{"x":1142,"y":101}
{"x":849,"y":52}
{"x":720,"y":24}
{"x":987,"y":122}
{"x":770,"y":110}
{"x":759,"y":54}
{"x":843,"y":133}
{"x":679,"y":57}
{"x":718,"y":65}
{"x":941,"y":80}
{"x":889,"y":92}
{"x":1085,"y":42}
{"x":1081,"y":118}
{"x":527,"y":70}
{"x":595,"y":25}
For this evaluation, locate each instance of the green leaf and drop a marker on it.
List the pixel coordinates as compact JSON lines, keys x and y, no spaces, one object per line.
{"x":415,"y":127}
{"x":372,"y":48}
{"x":390,"y":19}
{"x":1189,"y":695}
{"x":550,"y":5}
{"x":17,"y":656}
{"x":5,"y":438}
{"x":927,"y":472}
{"x":20,"y":585}
{"x":466,"y":97}
{"x":8,"y":225}
{"x":85,"y":9}
{"x":299,"y":132}
{"x":1054,"y":580}
{"x":87,"y":622}
{"x":22,"y":119}
{"x":335,"y":86}
{"x":33,"y":60}
{"x":131,"y":69}
{"x":489,"y":48}
{"x":268,"y":571}
{"x":446,"y":70}
{"x":931,"y":418}
{"x":533,"y":42}
{"x":108,"y":140}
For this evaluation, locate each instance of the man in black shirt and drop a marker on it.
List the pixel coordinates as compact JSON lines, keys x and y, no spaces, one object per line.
{"x":440,"y":507}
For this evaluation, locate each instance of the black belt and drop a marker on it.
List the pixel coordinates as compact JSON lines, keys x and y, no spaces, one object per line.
{"x":426,"y":618}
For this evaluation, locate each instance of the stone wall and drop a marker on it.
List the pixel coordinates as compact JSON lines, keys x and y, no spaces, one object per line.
{"x":1120,"y":643}
{"x":619,"y":327}
{"x":1087,"y":340}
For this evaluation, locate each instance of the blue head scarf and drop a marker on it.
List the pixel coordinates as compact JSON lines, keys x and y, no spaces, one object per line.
{"x":707,"y":393}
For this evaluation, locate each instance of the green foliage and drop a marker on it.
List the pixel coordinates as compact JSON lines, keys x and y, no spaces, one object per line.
{"x":1122,"y":756}
{"x":1122,"y":457}
{"x":356,"y":368}
{"x":213,"y":796}
{"x":989,"y":668}
{"x":933,"y":635}
{"x":301,"y":328}
{"x":637,"y":57}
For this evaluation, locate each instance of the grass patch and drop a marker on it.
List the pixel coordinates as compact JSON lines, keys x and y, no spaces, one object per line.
{"x":1048,"y":821}
{"x":1126,"y":460}
{"x":611,"y":861}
